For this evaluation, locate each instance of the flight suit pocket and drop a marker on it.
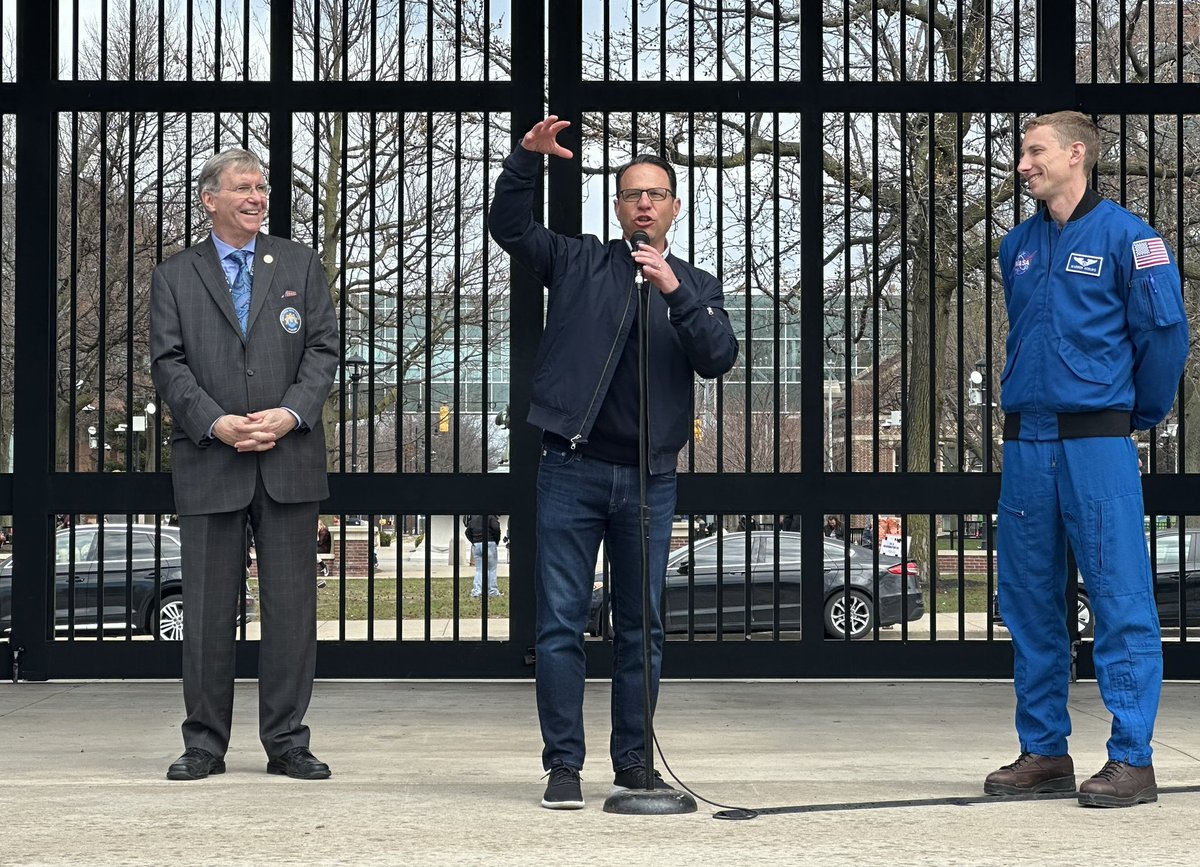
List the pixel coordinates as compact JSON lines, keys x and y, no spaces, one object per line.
{"x":1012,"y":543}
{"x":1158,"y":303}
{"x":1116,"y":562}
{"x":1084,"y":366}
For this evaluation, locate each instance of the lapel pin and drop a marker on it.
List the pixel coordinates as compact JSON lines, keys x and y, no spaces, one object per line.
{"x":268,"y":258}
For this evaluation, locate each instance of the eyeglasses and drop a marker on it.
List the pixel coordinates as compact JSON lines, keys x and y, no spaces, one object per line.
{"x":245,"y":190}
{"x":656,"y":194}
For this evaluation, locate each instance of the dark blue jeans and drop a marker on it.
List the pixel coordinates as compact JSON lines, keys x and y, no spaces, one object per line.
{"x":582,"y":501}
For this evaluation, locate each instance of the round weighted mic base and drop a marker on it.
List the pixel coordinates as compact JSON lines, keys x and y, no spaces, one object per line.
{"x":649,"y":802}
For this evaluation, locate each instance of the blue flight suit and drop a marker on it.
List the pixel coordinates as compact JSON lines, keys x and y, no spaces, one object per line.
{"x":1096,"y":346}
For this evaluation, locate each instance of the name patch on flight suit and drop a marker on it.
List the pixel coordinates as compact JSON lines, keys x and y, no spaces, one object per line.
{"x":1082,"y":263}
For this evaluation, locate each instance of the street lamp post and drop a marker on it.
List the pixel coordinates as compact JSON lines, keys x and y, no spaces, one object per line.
{"x":978,"y":396}
{"x":92,"y":442}
{"x":355,"y":362}
{"x":151,"y":436}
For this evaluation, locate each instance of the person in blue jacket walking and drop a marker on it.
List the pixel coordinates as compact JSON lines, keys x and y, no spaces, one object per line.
{"x":585,"y":398}
{"x":1097,"y":343}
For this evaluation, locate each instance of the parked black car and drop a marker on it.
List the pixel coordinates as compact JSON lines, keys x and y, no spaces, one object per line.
{"x":1167,"y":578}
{"x":160,"y":615}
{"x":701,"y":567}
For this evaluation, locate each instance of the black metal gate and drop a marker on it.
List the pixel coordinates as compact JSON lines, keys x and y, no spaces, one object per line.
{"x":847,"y":170}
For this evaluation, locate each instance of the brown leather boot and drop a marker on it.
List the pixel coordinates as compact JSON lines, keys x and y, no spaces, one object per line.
{"x":1032,"y":774}
{"x":1119,"y":785}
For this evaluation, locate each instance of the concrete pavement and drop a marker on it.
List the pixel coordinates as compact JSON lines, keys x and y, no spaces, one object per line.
{"x":448,"y":773}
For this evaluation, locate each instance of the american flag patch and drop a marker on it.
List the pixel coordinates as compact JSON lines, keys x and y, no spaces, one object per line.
{"x":1150,"y":252}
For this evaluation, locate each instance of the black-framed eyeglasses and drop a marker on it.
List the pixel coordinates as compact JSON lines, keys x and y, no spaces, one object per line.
{"x":245,"y":190}
{"x":656,"y":194}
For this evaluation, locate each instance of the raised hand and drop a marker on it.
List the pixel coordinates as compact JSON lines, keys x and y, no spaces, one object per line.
{"x":541,"y":137}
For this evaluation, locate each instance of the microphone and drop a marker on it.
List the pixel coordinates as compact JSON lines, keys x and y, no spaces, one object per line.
{"x":636,"y":240}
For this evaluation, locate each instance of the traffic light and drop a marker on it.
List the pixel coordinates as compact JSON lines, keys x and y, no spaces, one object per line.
{"x":444,"y":419}
{"x":697,"y":430}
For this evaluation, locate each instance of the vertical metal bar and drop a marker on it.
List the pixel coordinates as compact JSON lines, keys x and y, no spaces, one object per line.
{"x":429,"y":430}
{"x":190,"y":47}
{"x":72,"y":280}
{"x":218,"y":47}
{"x":718,"y":185}
{"x":460,"y":404}
{"x":777,"y":317}
{"x":339,"y":220}
{"x":633,"y":49}
{"x":1016,"y":44}
{"x":877,"y":292}
{"x":344,"y":48}
{"x":988,"y":24}
{"x":33,"y":343}
{"x":398,"y":313}
{"x":748,"y":291}
{"x":1181,"y":246}
{"x":961,"y":366}
{"x":904,"y":144}
{"x":162,"y":42}
{"x":130,"y":408}
{"x":847,"y":462}
{"x":811,"y":324}
{"x":372,"y":180}
{"x":931,"y":348}
{"x":104,"y":41}
{"x":132,"y":75}
{"x":985,"y":423}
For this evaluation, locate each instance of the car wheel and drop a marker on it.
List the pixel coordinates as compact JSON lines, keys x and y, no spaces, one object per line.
{"x":169,"y":623}
{"x":1087,"y":623}
{"x":861,"y":614}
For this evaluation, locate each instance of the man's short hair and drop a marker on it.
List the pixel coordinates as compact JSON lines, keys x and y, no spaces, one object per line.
{"x":648,"y":160}
{"x":209,"y":179}
{"x":1070,"y":127}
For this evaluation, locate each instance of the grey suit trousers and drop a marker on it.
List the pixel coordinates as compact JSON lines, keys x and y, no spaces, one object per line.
{"x":214,"y":561}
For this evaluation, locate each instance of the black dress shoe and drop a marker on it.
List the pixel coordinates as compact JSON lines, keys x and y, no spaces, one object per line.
{"x":195,"y":764}
{"x":300,"y":764}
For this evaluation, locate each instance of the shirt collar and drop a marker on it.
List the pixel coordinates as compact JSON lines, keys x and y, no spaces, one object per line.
{"x":1090,"y":199}
{"x":223,"y":249}
{"x":666,"y":250}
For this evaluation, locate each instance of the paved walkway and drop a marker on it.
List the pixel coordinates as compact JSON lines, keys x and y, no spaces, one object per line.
{"x":448,"y":773}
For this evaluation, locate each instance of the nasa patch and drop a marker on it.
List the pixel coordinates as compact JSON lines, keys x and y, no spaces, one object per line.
{"x":1082,"y":263}
{"x":289,"y":318}
{"x":1024,"y":260}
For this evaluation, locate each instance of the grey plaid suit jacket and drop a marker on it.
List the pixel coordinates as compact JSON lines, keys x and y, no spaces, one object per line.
{"x":204,"y":368}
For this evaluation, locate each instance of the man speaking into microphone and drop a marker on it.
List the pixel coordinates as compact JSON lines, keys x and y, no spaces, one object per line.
{"x":585,"y":397}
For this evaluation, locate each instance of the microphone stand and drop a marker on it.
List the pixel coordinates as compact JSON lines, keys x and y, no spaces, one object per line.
{"x":648,"y":801}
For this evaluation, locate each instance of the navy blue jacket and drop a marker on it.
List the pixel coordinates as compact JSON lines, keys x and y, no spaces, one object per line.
{"x":591,"y":310}
{"x":1096,"y":319}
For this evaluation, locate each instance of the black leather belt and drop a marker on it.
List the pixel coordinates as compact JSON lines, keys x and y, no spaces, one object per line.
{"x":1076,"y":425}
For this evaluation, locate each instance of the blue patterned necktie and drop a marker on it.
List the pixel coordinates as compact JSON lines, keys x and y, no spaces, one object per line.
{"x":241,"y":287}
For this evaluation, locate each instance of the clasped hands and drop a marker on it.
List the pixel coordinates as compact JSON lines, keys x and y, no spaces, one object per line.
{"x":256,"y":431}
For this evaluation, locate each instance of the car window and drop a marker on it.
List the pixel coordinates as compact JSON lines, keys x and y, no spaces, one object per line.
{"x":62,"y":547}
{"x":170,"y":547}
{"x":143,"y":546}
{"x":1166,"y":551}
{"x":114,"y":546}
{"x":836,"y":550}
{"x":733,"y":552}
{"x":789,"y":549}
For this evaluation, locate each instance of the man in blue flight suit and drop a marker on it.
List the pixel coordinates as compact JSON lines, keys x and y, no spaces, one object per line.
{"x":1097,"y":342}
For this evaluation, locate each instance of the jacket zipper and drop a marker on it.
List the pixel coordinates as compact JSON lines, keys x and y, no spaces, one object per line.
{"x":575,"y":440}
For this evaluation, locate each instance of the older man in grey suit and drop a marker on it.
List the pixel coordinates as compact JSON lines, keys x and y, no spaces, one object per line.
{"x":244,"y":345}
